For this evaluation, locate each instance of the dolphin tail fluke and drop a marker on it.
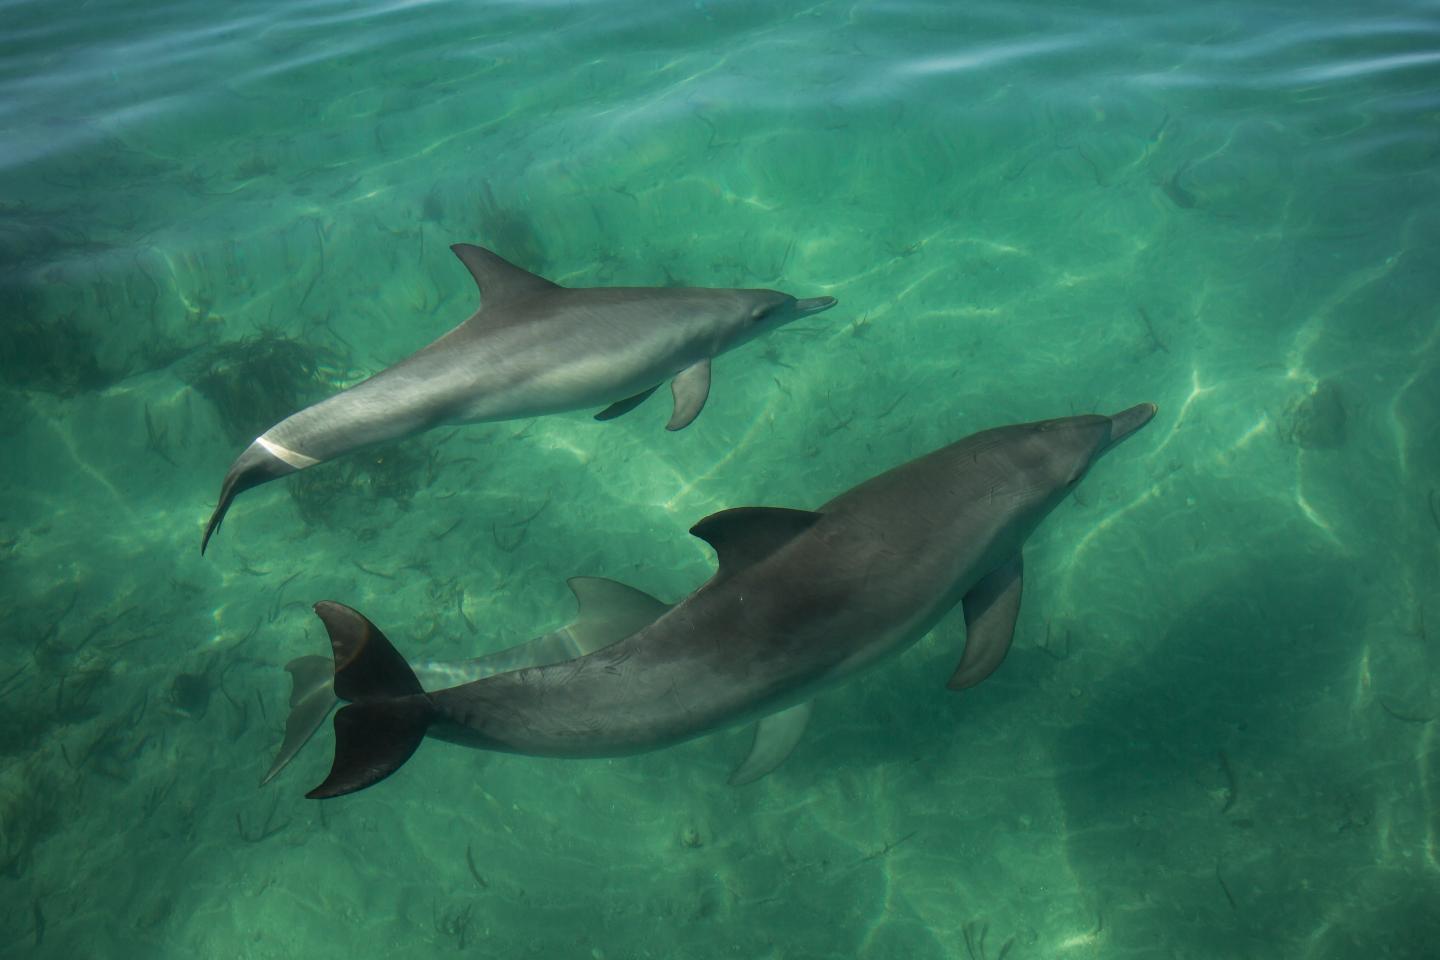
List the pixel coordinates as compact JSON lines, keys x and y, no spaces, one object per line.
{"x":372,"y":741}
{"x":388,"y":714}
{"x":252,"y":468}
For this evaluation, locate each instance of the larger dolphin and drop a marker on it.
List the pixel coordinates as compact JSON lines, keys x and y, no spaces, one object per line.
{"x":532,"y":348}
{"x":801,"y":600}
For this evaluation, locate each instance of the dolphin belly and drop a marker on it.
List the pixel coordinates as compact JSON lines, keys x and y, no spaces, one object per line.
{"x":725,"y":658}
{"x":540,"y":371}
{"x":584,"y":383}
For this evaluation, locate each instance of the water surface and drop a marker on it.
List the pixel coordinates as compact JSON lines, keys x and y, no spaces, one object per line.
{"x":1216,"y":734}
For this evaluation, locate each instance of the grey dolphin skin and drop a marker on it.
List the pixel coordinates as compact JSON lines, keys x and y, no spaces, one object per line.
{"x":609,"y":611}
{"x":532,"y":348}
{"x":801,"y":600}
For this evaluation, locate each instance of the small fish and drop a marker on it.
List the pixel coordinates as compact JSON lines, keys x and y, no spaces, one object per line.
{"x":1172,"y":188}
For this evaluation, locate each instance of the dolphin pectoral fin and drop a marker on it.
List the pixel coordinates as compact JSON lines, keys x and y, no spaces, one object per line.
{"x":609,"y":611}
{"x":389,"y":713}
{"x":312,"y":697}
{"x":691,"y":386}
{"x":498,"y":279}
{"x":991,"y":607}
{"x":775,"y":736}
{"x":743,"y":536}
{"x":621,"y":407}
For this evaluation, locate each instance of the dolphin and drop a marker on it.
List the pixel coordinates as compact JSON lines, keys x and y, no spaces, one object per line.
{"x":532,"y":348}
{"x":801,"y":600}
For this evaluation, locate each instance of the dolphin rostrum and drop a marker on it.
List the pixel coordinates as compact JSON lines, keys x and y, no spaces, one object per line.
{"x":532,"y":348}
{"x":801,"y":601}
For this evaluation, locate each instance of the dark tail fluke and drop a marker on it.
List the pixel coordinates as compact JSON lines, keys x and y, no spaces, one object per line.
{"x":252,"y":468}
{"x":372,"y":741}
{"x":389,"y":712}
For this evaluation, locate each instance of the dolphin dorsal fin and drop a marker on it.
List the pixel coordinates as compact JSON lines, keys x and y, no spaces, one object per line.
{"x":498,"y":279}
{"x":609,"y":611}
{"x":746,"y":535}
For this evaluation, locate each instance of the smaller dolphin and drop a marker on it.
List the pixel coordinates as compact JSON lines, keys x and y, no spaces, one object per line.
{"x":532,"y":348}
{"x":801,"y":601}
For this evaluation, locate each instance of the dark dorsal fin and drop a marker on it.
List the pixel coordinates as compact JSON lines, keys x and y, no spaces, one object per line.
{"x":746,"y":535}
{"x":498,"y":279}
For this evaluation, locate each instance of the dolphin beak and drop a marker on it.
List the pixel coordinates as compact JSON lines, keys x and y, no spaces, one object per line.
{"x":1127,"y":422}
{"x":805,"y":308}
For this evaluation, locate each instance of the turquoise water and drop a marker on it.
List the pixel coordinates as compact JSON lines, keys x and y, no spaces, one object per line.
{"x":1217,"y":733}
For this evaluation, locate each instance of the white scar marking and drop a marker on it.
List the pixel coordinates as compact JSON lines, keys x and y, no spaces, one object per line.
{"x":297,"y":460}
